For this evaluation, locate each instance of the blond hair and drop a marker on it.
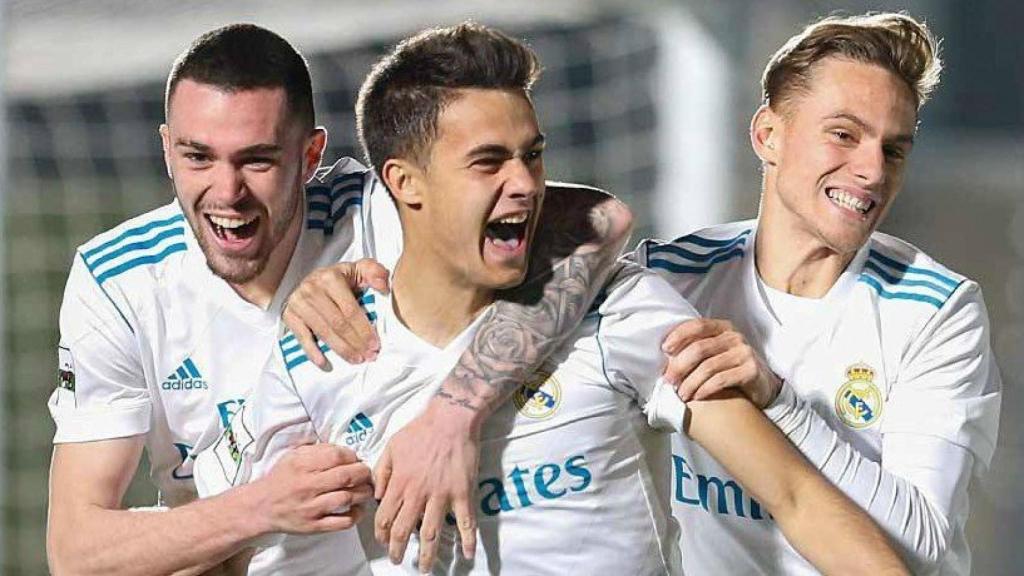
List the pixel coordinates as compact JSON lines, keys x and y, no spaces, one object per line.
{"x":893,"y":41}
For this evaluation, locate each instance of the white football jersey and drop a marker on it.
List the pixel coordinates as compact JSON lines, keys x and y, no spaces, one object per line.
{"x":890,"y":389}
{"x":152,"y":342}
{"x":572,"y":477}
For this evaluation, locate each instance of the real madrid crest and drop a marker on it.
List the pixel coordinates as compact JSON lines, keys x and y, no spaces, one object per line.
{"x":859,"y":401}
{"x":540,"y":397}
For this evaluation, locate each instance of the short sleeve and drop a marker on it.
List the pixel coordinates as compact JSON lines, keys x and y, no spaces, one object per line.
{"x":640,"y":310}
{"x":101,"y":389}
{"x":948,"y":384}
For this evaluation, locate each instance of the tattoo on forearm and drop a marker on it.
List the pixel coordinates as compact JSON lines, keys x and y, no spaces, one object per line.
{"x":568,"y":267}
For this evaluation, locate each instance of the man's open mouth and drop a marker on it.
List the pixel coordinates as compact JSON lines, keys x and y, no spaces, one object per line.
{"x":508,"y":232}
{"x":844,"y":199}
{"x":233,"y":229}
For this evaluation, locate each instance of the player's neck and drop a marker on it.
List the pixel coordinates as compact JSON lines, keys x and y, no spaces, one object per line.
{"x":433,"y":302}
{"x":793,"y":260}
{"x":260,"y":291}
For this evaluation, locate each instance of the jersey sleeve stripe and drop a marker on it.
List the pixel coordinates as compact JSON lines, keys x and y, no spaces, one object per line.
{"x":871,"y":281}
{"x":151,"y":259}
{"x":907,"y":269}
{"x":677,"y":268}
{"x":695,"y":256}
{"x":302,"y":358}
{"x":709,"y":242}
{"x":888,"y":278}
{"x":135,"y":247}
{"x":138,"y":231}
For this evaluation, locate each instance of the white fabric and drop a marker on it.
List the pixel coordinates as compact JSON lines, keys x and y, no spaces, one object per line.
{"x":571,"y":475}
{"x":901,"y":436}
{"x":156,"y":344}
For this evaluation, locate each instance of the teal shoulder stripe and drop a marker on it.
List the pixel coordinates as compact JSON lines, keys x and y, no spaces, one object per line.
{"x":903,"y":281}
{"x":136,"y":246}
{"x":694,"y":256}
{"x":302,"y":358}
{"x":137,"y":231}
{"x":710,"y":242}
{"x":676,"y":268}
{"x":326,"y":222}
{"x":906,"y":268}
{"x":153,"y":259}
{"x":870,"y":281}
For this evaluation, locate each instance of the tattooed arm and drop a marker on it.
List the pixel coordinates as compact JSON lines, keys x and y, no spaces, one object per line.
{"x":430,"y":466}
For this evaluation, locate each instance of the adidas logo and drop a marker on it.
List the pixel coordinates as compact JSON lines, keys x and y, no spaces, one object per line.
{"x":186,"y":377}
{"x":358,"y":429}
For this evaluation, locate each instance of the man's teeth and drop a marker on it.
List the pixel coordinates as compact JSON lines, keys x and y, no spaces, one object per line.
{"x":231,"y":223}
{"x":850,"y":201}
{"x":513,"y":219}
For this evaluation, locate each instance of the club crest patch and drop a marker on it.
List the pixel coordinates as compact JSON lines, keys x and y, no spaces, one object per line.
{"x":859,"y":401}
{"x":540,"y":397}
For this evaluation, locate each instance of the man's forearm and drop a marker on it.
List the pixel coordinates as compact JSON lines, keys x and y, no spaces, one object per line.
{"x":575,"y":249}
{"x":185,"y":540}
{"x":825,"y":526}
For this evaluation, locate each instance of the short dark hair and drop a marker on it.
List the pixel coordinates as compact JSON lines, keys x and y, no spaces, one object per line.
{"x":403,"y":96}
{"x":243,"y":57}
{"x":893,"y":41}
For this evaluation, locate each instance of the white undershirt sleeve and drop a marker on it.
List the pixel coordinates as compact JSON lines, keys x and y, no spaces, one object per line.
{"x":940,"y":421}
{"x":910,"y":494}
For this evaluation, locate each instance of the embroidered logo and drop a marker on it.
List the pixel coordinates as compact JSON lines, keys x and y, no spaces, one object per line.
{"x":540,"y":397}
{"x":859,"y":401}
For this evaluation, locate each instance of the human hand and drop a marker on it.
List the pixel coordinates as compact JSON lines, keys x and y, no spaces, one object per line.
{"x":708,"y":356}
{"x":313,"y":488}
{"x":428,"y":468}
{"x":324,"y":305}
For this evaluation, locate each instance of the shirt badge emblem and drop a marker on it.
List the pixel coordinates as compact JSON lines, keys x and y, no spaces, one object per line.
{"x":540,"y":397}
{"x":859,"y":401}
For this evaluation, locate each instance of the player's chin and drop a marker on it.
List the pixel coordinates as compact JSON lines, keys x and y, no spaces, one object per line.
{"x":234,"y":269}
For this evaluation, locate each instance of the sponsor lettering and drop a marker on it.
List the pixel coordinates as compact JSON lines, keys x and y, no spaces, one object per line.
{"x":695,"y":489}
{"x":523,"y":487}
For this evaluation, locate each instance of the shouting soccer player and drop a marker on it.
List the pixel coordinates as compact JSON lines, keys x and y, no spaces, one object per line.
{"x":886,"y":379}
{"x":168,"y":318}
{"x":573,"y":476}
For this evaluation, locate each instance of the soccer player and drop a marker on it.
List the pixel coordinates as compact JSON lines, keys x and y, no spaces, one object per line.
{"x":886,"y":379}
{"x":572,"y":473}
{"x":168,"y":318}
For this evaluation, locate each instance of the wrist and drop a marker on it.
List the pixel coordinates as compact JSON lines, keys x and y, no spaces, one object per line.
{"x":444,"y":413}
{"x":249,"y":519}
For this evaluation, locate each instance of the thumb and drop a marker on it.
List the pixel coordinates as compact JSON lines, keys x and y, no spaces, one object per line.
{"x":369,"y":272}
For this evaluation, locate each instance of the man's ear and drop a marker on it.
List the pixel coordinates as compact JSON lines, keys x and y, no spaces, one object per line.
{"x":314,"y":153}
{"x":404,"y":179}
{"x":766,"y":134}
{"x":165,"y":141}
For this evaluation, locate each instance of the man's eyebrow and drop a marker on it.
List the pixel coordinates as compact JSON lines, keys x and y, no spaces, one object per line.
{"x":192,"y":144}
{"x":900,"y":138}
{"x":500,"y":150}
{"x":257,"y":149}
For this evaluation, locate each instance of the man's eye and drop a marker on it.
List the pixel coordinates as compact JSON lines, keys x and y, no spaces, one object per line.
{"x":534,"y":155}
{"x":196,"y":157}
{"x":894,"y":153}
{"x":259,"y":163}
{"x":487,"y":164}
{"x":842,"y":136}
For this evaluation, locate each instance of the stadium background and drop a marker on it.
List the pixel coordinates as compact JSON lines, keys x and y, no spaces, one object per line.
{"x":648,"y":99}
